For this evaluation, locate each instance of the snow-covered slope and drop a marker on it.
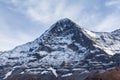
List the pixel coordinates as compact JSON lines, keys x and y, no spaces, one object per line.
{"x":109,"y":42}
{"x":64,"y":39}
{"x":64,"y":45}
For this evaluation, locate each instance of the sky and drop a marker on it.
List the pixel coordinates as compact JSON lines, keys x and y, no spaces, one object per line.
{"x":22,"y":21}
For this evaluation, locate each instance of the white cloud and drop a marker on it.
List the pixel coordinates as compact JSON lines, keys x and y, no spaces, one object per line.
{"x":109,"y":23}
{"x":8,"y":42}
{"x":115,"y":3}
{"x":90,"y":15}
{"x":48,"y":11}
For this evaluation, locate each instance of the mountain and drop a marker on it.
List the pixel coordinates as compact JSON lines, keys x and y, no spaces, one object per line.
{"x":64,"y":51}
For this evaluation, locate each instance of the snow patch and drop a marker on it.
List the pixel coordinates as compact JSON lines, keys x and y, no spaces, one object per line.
{"x":53,"y":71}
{"x":90,"y":33}
{"x":66,"y":75}
{"x":8,"y":74}
{"x":44,"y":72}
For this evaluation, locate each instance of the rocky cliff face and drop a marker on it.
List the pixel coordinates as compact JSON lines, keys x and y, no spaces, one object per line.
{"x":65,"y":50}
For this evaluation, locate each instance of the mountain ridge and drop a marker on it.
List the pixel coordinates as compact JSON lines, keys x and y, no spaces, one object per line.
{"x":64,"y":46}
{"x":64,"y":20}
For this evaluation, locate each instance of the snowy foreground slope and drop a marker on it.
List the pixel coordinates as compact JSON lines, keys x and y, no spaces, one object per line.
{"x":63,"y":51}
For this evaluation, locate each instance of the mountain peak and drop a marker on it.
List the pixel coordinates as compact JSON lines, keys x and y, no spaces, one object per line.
{"x":64,"y":20}
{"x":64,"y":46}
{"x":63,"y":25}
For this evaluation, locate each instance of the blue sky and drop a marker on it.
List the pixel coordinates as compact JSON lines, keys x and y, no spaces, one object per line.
{"x":22,"y":21}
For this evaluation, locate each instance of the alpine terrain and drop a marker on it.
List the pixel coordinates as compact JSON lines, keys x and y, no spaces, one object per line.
{"x":65,"y":51}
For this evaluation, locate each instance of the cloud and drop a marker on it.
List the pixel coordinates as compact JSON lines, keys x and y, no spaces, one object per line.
{"x":28,"y":19}
{"x":109,"y":23}
{"x":8,"y":42}
{"x":48,"y":11}
{"x":114,"y":3}
{"x":10,"y":35}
